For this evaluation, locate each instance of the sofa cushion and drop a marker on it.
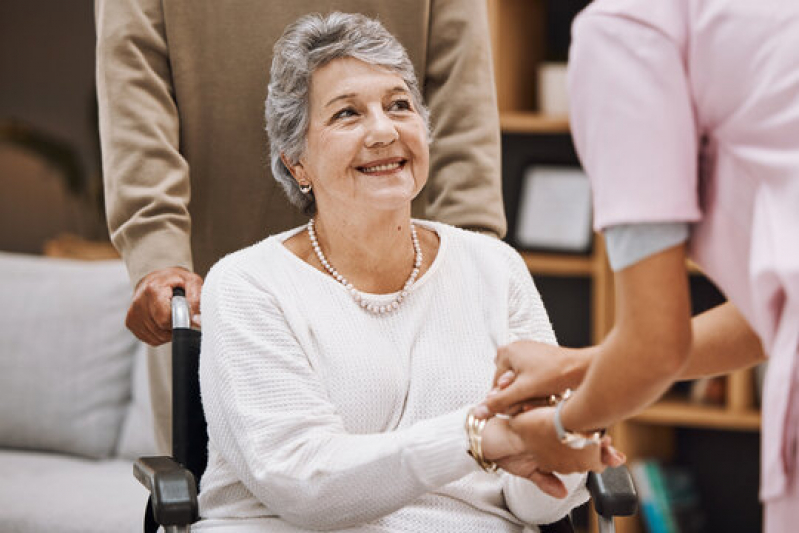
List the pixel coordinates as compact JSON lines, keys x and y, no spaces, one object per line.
{"x":65,"y":354}
{"x":49,"y":493}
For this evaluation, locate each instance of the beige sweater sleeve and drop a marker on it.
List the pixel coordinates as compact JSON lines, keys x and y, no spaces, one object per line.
{"x":146,"y":178}
{"x":465,"y":179}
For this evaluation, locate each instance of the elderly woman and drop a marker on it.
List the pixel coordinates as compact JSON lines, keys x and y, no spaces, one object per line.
{"x":340,"y":359}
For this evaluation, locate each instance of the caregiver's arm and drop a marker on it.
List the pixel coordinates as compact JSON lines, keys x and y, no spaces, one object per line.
{"x":651,"y":344}
{"x":647,"y":348}
{"x":638,"y":361}
{"x":723,"y":341}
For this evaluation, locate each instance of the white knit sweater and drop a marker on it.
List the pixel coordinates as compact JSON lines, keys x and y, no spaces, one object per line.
{"x":322,"y":416}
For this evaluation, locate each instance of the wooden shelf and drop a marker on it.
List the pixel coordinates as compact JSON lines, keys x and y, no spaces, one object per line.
{"x":69,"y":246}
{"x":683,"y":414}
{"x":693,"y":268}
{"x":531,"y":122}
{"x":554,"y":264}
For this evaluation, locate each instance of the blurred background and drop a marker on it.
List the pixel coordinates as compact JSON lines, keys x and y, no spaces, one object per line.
{"x":49,"y":148}
{"x":51,"y":201}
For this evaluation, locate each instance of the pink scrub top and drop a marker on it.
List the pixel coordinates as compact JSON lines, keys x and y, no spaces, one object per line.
{"x":688,"y":110}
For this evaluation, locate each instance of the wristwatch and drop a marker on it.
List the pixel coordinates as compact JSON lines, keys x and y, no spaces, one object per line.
{"x":574,"y":440}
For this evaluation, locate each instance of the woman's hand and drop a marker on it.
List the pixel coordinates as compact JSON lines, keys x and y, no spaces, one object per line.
{"x":528,"y":372}
{"x":504,"y":447}
{"x":150,"y":313}
{"x":536,"y":429}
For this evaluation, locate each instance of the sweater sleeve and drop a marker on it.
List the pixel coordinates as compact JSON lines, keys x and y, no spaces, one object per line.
{"x":271,"y":420}
{"x":146,"y":178}
{"x":464,"y":188}
{"x":529,"y":320}
{"x":530,"y":505}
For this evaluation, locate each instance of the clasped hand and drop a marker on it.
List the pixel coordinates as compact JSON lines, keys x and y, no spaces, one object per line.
{"x":150,"y":313}
{"x":523,"y":441}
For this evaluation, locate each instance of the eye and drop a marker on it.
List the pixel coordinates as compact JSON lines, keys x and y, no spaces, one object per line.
{"x":347,"y":112}
{"x":402,"y":104}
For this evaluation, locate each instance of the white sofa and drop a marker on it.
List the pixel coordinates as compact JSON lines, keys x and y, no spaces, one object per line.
{"x":74,"y":403}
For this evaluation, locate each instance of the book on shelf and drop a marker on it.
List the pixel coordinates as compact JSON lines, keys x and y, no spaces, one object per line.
{"x":654,"y":507}
{"x":668,"y":498}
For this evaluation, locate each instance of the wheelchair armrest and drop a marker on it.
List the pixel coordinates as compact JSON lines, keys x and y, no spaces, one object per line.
{"x":613,"y":492}
{"x":173,"y":490}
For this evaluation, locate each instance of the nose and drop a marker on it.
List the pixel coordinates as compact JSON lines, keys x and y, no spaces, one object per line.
{"x":380,"y":130}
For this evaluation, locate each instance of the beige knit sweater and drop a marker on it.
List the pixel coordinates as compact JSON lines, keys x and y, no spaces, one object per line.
{"x":322,"y":416}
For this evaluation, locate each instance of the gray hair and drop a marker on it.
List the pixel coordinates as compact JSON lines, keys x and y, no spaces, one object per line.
{"x":306,"y":45}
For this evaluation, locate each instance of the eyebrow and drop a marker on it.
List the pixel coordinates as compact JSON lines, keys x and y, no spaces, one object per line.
{"x":347,"y":96}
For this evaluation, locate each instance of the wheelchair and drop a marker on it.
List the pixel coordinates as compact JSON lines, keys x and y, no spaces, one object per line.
{"x":173,"y":481}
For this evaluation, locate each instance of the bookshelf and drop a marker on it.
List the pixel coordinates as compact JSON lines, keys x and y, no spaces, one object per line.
{"x":677,"y":412}
{"x":533,"y":122}
{"x":519,"y":40}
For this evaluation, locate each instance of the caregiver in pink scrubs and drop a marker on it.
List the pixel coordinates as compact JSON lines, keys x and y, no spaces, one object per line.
{"x":685,"y":114}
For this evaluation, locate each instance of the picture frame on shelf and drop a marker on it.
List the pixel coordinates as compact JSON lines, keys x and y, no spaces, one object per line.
{"x":554,"y":210}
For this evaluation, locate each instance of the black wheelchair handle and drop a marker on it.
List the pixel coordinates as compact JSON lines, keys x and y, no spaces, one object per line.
{"x":613,"y":492}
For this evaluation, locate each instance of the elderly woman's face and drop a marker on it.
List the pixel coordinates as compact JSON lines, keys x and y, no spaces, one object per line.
{"x":367,"y":144}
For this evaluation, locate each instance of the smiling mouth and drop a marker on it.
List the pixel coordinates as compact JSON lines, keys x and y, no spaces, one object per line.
{"x":385,"y":167}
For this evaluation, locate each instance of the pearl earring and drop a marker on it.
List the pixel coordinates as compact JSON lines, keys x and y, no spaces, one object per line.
{"x":305,"y":188}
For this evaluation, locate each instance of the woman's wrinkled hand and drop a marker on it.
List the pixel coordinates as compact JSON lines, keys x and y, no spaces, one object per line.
{"x":150,"y":314}
{"x":504,"y":447}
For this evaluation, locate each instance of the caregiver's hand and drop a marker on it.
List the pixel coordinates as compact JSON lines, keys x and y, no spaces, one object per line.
{"x":528,"y":372}
{"x":536,"y":430}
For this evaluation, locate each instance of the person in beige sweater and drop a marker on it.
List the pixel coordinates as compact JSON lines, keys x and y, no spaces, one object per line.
{"x":181,"y":90}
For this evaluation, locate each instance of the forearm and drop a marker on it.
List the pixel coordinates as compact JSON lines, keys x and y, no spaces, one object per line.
{"x":145,"y":176}
{"x":322,"y":477}
{"x":723,"y":341}
{"x":464,"y":188}
{"x":626,"y":376}
{"x":646,"y":350}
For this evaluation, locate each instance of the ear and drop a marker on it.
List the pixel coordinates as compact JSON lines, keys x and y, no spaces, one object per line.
{"x":297,"y":171}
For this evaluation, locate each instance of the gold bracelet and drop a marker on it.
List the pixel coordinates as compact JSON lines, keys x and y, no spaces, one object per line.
{"x":474,"y":428}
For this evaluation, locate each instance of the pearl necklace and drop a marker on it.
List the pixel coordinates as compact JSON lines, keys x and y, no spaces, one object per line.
{"x":372,"y":307}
